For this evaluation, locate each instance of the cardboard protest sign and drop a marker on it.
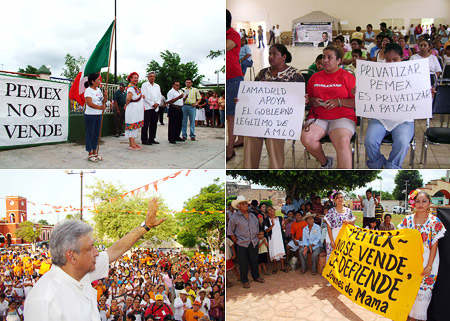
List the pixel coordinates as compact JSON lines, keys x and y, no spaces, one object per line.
{"x":394,"y":91}
{"x":270,"y":109}
{"x":33,"y":111}
{"x":378,"y":270}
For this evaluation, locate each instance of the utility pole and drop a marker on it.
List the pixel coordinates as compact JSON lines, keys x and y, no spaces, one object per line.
{"x":81,"y":192}
{"x":406,"y":195}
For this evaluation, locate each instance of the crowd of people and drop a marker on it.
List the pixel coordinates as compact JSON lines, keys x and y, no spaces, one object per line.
{"x":330,"y":94}
{"x":138,"y":110}
{"x":141,"y":285}
{"x":310,"y":226}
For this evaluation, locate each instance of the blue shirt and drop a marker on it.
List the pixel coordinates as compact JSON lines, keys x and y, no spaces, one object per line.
{"x":298,"y":204}
{"x":245,"y":50}
{"x":313,"y":237}
{"x":373,"y":51}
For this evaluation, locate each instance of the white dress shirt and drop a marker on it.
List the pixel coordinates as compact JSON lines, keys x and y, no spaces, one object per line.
{"x":174,"y":94}
{"x":152,"y":95}
{"x":58,"y":296}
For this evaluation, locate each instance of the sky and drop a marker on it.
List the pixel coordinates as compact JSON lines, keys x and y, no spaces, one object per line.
{"x":387,"y":180}
{"x":57,"y":188}
{"x":42,"y":32}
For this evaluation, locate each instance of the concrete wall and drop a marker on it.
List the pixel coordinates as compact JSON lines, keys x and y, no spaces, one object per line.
{"x":282,"y":12}
{"x":77,"y":129}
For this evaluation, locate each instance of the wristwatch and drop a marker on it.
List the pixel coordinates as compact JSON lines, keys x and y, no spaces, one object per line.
{"x":145,"y":226}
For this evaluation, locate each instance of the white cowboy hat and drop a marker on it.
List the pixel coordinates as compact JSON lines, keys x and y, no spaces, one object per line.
{"x":308,"y":215}
{"x":239,"y":199}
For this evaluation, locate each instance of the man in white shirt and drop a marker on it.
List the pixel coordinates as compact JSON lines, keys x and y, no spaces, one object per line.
{"x":181,"y":304}
{"x":175,"y":114}
{"x":368,"y":206}
{"x":277,"y":33}
{"x":152,"y":93}
{"x":65,"y":292}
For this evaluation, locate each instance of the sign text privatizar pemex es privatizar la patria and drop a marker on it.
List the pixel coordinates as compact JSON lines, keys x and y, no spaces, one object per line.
{"x":376,"y":269}
{"x":394,"y":91}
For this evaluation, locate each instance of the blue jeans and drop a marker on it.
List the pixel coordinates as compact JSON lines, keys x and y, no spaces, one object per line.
{"x":245,"y":64}
{"x":92,"y":124}
{"x":261,"y":39}
{"x":222,"y":117}
{"x":232,"y":88}
{"x":401,"y":137}
{"x":188,"y":112}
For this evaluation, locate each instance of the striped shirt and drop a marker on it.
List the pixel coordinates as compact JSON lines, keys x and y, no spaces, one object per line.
{"x":379,"y":212}
{"x":193,"y":96}
{"x":244,"y":230}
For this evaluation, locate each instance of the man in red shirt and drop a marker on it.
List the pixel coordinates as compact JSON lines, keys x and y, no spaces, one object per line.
{"x":159,"y":309}
{"x":234,"y":77}
{"x":296,"y":236}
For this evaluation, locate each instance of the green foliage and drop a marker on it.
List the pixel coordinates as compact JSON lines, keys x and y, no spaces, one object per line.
{"x":303,"y":182}
{"x":110,"y":79}
{"x":114,"y":219}
{"x":415,"y":181}
{"x":384,"y":195}
{"x":25,"y":231}
{"x":75,"y":216}
{"x":172,"y":69}
{"x":216,"y":54}
{"x":230,"y":199}
{"x":43,"y":222}
{"x":187,"y":238}
{"x":267,"y":202}
{"x":29,"y":70}
{"x":207,"y":227}
{"x":73,"y":66}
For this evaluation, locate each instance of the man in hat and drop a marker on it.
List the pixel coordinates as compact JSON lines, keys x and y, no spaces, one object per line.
{"x":193,"y":314}
{"x":120,"y":98}
{"x":152,"y":93}
{"x":181,"y":304}
{"x":159,"y":309}
{"x":243,"y":229}
{"x":310,"y":243}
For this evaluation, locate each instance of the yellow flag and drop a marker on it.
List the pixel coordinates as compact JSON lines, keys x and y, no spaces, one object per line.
{"x":379,"y":270}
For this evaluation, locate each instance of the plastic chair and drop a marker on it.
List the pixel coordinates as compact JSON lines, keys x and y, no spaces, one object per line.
{"x":252,"y":73}
{"x":437,"y":135}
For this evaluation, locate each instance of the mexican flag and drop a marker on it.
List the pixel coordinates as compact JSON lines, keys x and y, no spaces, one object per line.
{"x":97,"y":60}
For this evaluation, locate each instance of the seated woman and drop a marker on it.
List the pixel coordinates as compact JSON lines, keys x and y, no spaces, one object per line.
{"x":245,"y":55}
{"x":402,"y":131}
{"x":407,"y":53}
{"x":379,"y":55}
{"x":317,"y":65}
{"x":356,"y":44}
{"x":278,"y":71}
{"x":332,"y":112}
{"x":425,"y":53}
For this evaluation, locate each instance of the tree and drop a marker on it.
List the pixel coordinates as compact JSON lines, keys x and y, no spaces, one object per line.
{"x":385,"y":195}
{"x":216,"y":54}
{"x":208,"y":227}
{"x":26,"y":232}
{"x":29,"y":70}
{"x":43,"y":222}
{"x":114,"y":219}
{"x":172,"y":69}
{"x":415,"y":181}
{"x":76,"y":216}
{"x":304,"y":182}
{"x":73,"y":66}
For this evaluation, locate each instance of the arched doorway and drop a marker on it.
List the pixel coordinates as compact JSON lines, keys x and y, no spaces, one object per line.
{"x":8,"y":239}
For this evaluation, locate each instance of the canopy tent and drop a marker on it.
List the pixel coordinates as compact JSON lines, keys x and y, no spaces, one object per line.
{"x":312,"y":26}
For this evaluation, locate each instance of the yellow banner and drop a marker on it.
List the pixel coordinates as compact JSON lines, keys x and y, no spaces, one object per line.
{"x":378,"y":270}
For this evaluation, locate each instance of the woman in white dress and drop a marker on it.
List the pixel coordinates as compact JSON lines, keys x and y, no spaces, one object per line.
{"x":274,"y":228}
{"x":200,"y":115}
{"x":425,"y":53}
{"x":134,"y":111}
{"x":431,"y":230}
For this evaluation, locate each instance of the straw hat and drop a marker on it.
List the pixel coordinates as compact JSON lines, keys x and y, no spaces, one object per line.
{"x":308,"y":215}
{"x":239,"y":199}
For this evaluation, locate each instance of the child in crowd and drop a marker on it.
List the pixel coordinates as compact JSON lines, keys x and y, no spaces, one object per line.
{"x":356,"y":55}
{"x":262,"y":253}
{"x":447,"y":56}
{"x":317,"y":65}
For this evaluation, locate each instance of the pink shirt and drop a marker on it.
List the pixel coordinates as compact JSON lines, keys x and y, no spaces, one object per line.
{"x":214,"y":103}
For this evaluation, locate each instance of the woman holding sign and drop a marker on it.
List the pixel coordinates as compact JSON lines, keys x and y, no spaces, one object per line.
{"x":431,"y":229}
{"x":278,"y":71}
{"x":402,"y":131}
{"x":332,"y":111}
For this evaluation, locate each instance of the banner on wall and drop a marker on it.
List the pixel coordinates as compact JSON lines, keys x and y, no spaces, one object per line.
{"x":311,"y":32}
{"x":394,"y":91}
{"x":379,"y":271}
{"x":270,"y":109}
{"x":33,"y":111}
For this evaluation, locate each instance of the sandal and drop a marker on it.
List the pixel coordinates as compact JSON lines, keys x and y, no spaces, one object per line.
{"x":284,"y":270}
{"x":92,"y":158}
{"x":260,"y":280}
{"x":274,"y":271}
{"x":246,"y":285}
{"x":98,"y":157}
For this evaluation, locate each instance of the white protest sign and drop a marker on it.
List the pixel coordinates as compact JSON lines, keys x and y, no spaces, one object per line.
{"x":33,"y":111}
{"x":394,"y":91}
{"x":270,"y":109}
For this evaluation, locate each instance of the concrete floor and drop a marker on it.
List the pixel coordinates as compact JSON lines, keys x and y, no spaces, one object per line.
{"x":302,"y":58}
{"x":206,"y":152}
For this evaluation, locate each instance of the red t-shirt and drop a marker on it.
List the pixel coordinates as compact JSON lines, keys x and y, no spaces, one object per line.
{"x":297,"y":229}
{"x":331,"y":86}
{"x":232,"y":61}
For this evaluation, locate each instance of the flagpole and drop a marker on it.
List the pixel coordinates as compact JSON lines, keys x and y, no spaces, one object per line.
{"x":106,"y":85}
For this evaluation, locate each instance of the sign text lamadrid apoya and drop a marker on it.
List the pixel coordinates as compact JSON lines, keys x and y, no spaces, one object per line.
{"x":394,"y":91}
{"x":270,"y":109}
{"x":376,"y":269}
{"x":33,"y":111}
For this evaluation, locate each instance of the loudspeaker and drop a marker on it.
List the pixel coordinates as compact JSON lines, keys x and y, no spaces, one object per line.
{"x":438,"y":309}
